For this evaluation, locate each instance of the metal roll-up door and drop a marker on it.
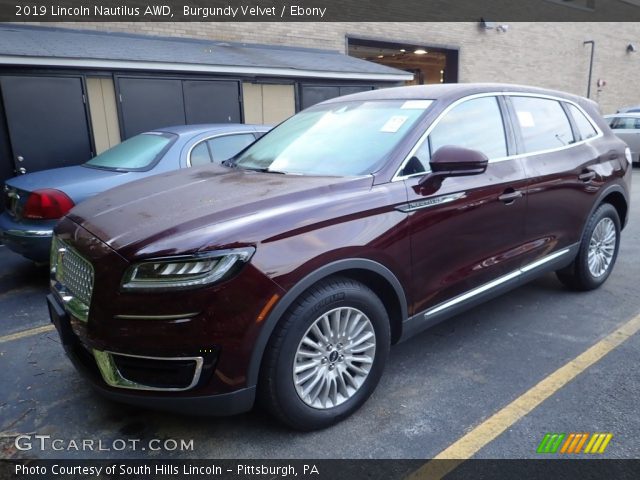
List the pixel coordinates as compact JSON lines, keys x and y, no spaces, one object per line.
{"x":211,"y":101}
{"x":150,"y":103}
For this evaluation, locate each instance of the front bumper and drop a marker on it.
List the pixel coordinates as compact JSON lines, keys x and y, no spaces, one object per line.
{"x":87,"y":362}
{"x":30,"y":240}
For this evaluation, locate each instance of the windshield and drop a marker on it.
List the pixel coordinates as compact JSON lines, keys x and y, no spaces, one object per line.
{"x":137,"y":153}
{"x":337,"y":139}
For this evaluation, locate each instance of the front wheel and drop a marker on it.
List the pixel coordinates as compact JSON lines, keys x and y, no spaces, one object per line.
{"x":598,"y":251}
{"x":327,"y":355}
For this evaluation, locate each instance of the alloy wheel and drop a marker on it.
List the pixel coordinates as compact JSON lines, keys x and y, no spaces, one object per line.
{"x":602,"y":247}
{"x":334,"y":357}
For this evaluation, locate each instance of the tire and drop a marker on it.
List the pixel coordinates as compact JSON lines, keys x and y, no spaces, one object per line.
{"x":579,"y":275}
{"x":340,"y":301}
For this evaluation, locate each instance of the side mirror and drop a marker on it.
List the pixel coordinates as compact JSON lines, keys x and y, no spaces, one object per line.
{"x":449,"y":161}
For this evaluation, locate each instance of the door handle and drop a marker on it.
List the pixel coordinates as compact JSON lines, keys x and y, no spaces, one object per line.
{"x":586,"y":177}
{"x":510,"y":195}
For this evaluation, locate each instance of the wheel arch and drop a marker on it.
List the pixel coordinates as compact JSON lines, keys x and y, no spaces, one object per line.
{"x":376,"y":276}
{"x":619,"y":202}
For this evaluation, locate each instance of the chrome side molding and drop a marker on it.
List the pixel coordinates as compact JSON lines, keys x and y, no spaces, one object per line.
{"x":498,"y":281}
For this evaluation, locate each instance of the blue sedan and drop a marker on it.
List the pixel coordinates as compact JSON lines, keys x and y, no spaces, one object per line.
{"x":34,"y":202}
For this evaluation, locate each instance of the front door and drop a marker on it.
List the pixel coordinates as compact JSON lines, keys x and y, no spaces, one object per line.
{"x":47,"y":121}
{"x":470,"y":231}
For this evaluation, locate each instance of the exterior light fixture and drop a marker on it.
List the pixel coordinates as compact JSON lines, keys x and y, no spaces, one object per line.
{"x":402,"y":50}
{"x":420,"y":51}
{"x":487,"y":25}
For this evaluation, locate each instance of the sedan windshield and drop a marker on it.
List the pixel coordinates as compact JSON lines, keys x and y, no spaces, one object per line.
{"x":336,"y":139}
{"x":137,"y":153}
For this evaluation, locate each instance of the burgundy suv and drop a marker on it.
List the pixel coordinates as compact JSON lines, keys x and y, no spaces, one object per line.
{"x":286,"y":274}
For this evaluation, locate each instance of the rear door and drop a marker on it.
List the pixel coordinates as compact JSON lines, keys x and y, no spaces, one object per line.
{"x":470,"y":231}
{"x":565,"y":171}
{"x":47,"y":121}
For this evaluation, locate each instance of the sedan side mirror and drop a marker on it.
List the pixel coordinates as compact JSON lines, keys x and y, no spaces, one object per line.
{"x":450,"y":161}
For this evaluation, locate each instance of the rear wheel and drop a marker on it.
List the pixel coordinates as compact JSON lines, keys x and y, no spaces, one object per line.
{"x":327,"y":355}
{"x":598,"y":251}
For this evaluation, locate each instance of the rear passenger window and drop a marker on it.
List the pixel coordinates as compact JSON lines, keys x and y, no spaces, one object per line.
{"x":223,"y":148}
{"x":624,"y":123}
{"x":475,"y":124}
{"x":543,"y":123}
{"x":585,"y":128}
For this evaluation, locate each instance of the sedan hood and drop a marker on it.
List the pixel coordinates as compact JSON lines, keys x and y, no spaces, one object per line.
{"x":210,"y":206}
{"x":77,"y":182}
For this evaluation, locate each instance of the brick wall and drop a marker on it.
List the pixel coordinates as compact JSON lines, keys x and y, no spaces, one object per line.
{"x":543,"y":54}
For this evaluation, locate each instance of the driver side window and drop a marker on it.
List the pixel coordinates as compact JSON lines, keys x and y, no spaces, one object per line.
{"x":475,"y":124}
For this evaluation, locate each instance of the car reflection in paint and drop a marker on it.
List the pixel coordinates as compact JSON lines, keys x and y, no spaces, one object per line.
{"x":287,"y":274}
{"x":34,"y":202}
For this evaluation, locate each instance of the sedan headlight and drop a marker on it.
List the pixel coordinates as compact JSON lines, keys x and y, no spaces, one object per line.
{"x":627,"y":155}
{"x":172,"y":273}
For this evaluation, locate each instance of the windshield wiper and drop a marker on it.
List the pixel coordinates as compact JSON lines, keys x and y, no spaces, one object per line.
{"x":229,"y":163}
{"x":263,"y":170}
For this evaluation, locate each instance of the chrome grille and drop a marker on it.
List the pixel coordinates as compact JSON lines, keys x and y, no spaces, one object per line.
{"x":73,"y":278}
{"x":77,"y":275}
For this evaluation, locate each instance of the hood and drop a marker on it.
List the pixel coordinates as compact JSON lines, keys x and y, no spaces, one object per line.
{"x":208,"y":207}
{"x":77,"y":182}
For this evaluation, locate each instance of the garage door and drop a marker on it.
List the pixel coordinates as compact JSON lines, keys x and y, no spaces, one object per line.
{"x":312,"y":94}
{"x":211,"y":102}
{"x":46,"y":120}
{"x":149,"y":103}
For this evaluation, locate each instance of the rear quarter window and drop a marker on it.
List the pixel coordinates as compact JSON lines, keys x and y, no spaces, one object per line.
{"x":585,"y":127}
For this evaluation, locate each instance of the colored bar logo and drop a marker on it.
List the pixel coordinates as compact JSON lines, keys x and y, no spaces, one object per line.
{"x":574,"y":442}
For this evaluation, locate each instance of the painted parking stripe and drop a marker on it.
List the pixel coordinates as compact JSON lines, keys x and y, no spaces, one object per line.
{"x":469,"y":444}
{"x":27,"y":333}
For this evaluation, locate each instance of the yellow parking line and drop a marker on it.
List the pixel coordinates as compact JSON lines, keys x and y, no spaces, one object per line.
{"x":469,"y":444}
{"x":26,"y":333}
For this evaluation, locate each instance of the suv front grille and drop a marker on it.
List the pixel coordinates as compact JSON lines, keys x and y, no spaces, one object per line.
{"x":72,"y":278}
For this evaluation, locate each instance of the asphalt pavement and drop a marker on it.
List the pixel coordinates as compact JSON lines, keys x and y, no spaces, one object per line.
{"x":437,"y":387}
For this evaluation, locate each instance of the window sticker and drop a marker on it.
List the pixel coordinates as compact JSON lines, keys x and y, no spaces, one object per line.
{"x":416,"y":104}
{"x":394,"y":124}
{"x":526,"y":119}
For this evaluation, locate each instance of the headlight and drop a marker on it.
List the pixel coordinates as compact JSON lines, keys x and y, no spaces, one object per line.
{"x":171,"y":273}
{"x":627,"y":154}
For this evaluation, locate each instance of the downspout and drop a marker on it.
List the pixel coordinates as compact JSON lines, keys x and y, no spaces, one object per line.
{"x":593,"y":47}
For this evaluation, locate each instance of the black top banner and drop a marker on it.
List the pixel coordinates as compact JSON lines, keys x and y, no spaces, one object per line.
{"x":319,"y":10}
